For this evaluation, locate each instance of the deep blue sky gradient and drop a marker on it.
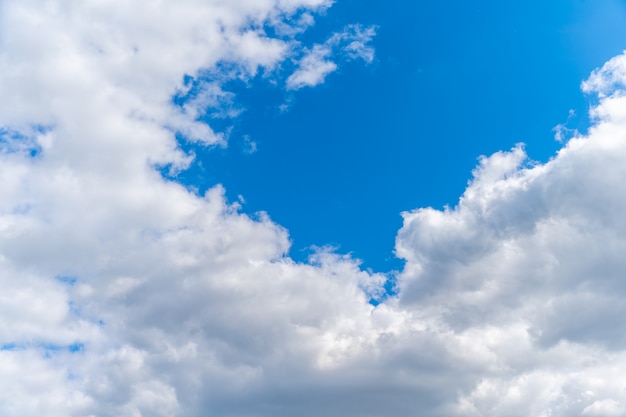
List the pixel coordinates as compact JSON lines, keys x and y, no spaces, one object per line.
{"x":451,"y":81}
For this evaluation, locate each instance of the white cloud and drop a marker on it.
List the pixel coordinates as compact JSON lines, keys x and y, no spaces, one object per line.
{"x":313,"y":68}
{"x":536,"y":248}
{"x":125,"y":294}
{"x":604,"y":408}
{"x":606,"y":80}
{"x":353,"y":42}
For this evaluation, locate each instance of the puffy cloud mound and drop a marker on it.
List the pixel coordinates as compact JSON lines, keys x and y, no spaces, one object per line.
{"x":125,"y":294}
{"x":528,"y":271}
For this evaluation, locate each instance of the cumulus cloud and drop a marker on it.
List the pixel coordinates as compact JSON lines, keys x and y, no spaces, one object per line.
{"x":606,"y":80}
{"x":124,"y":294}
{"x":529,"y":266}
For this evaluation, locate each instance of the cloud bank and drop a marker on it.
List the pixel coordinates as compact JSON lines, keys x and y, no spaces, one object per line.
{"x":125,"y":294}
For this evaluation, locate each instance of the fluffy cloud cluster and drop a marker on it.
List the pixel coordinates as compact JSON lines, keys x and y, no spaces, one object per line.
{"x":125,"y":294}
{"x":528,"y":271}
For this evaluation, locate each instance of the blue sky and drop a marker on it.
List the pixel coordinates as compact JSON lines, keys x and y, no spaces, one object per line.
{"x":203,"y":204}
{"x":449,"y":83}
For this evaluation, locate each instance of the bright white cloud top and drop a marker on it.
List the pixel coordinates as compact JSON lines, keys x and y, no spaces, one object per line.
{"x":125,"y":294}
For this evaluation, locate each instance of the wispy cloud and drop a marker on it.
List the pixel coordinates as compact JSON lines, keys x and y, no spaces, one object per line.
{"x":351,"y":43}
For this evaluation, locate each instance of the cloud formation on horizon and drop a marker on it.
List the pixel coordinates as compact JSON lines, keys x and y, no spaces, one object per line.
{"x":125,"y":294}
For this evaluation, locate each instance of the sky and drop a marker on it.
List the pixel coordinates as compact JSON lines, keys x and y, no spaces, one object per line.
{"x":447,"y":84}
{"x":255,"y":208}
